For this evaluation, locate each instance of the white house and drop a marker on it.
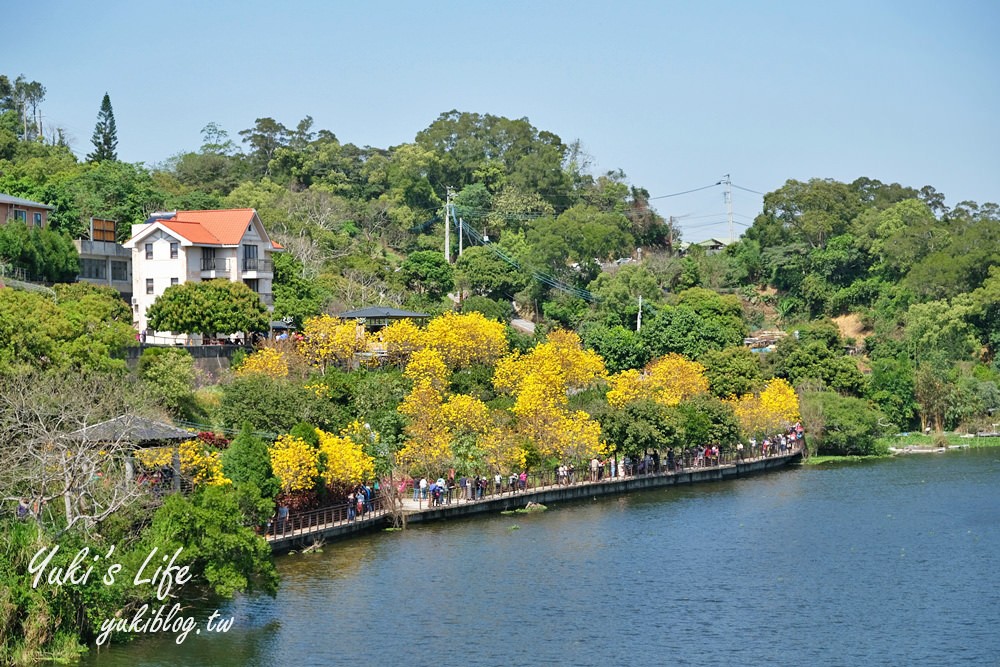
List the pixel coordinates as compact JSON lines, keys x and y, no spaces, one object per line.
{"x":191,"y":246}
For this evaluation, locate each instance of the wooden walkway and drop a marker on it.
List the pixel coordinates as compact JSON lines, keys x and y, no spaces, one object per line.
{"x":304,"y":529}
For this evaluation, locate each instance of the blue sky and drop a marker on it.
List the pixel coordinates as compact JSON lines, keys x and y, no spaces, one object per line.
{"x":675,"y":94}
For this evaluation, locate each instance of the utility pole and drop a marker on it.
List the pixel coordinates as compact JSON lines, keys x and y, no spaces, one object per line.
{"x":729,"y":204}
{"x":670,"y":228}
{"x":461,"y":223}
{"x":638,"y":318}
{"x":447,"y":225}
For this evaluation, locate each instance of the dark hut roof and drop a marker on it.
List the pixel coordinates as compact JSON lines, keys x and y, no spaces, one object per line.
{"x":379,"y":311}
{"x":131,"y":428}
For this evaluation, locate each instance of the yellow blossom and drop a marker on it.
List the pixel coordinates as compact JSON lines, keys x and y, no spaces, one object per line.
{"x":294,"y":463}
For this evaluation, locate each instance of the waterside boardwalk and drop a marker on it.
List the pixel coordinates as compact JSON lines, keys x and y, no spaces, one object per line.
{"x":304,"y":529}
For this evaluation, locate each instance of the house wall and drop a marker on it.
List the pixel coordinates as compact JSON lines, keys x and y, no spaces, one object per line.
{"x":105,"y":254}
{"x":160,"y":269}
{"x":7,"y":213}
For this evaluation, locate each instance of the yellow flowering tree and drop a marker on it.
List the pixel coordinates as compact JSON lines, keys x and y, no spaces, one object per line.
{"x":265,"y":361}
{"x":780,"y":401}
{"x":667,"y":380}
{"x":543,"y":418}
{"x":562,"y":353}
{"x":466,"y":339}
{"x":294,"y":463}
{"x":501,"y":447}
{"x":401,"y":339}
{"x":330,"y":340}
{"x":539,"y":380}
{"x":466,"y":414}
{"x":773,"y":409}
{"x":468,"y":419}
{"x":579,"y":438}
{"x":346,"y":462}
{"x":625,"y":387}
{"x":581,"y":367}
{"x":426,"y":365}
{"x":427,"y":448}
{"x":199,"y":462}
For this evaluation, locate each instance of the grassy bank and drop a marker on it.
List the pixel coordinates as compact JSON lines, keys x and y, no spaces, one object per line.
{"x":909,"y":440}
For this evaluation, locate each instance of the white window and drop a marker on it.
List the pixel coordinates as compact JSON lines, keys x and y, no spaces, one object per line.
{"x":149,"y":251}
{"x":149,"y":285}
{"x":173,"y":250}
{"x":174,"y":281}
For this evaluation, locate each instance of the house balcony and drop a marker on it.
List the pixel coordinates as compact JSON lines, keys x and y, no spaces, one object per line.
{"x":256,"y":265}
{"x":101,"y":249}
{"x":214,"y":267}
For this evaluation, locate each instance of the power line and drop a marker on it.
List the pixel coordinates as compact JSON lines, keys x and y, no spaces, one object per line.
{"x":544,"y":278}
{"x":748,"y":190}
{"x":678,"y":194}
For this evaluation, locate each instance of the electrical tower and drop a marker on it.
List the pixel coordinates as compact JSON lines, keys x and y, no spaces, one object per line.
{"x":728,"y":195}
{"x":447,"y":225}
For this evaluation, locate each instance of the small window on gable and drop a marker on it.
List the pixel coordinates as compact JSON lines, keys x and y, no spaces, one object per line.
{"x":250,"y":227}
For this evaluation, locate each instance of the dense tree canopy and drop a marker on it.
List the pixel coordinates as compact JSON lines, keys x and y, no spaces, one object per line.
{"x":210,"y":307}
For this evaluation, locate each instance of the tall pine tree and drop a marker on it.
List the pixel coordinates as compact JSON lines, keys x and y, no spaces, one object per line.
{"x":105,"y":137}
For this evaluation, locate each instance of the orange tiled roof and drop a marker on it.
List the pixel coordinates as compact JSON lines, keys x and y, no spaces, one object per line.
{"x":225,"y":227}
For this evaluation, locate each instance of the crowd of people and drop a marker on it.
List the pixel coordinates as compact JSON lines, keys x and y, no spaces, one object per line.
{"x":776,"y":445}
{"x":452,"y":488}
{"x":444,"y":491}
{"x":361,"y":500}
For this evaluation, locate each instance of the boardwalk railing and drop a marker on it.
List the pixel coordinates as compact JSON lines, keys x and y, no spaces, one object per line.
{"x":583,"y":474}
{"x":313,"y":521}
{"x":303,"y":524}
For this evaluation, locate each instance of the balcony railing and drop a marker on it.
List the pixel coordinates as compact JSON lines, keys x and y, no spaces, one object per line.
{"x":256,"y":264}
{"x":104,"y":248}
{"x":214,"y":264}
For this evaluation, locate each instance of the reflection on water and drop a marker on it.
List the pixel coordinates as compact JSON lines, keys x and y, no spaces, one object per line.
{"x":885,"y":563}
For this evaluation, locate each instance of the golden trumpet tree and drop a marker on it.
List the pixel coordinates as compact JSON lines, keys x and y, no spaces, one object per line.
{"x":581,"y":367}
{"x":579,"y":437}
{"x":294,"y":463}
{"x":345,"y":460}
{"x":667,"y":380}
{"x":560,"y":355}
{"x":201,"y":464}
{"x":426,"y":365}
{"x":502,"y":448}
{"x":427,"y":448}
{"x":466,"y":339}
{"x":772,"y":410}
{"x":265,"y":361}
{"x":330,"y":340}
{"x":542,"y":417}
{"x":466,"y":414}
{"x":401,"y":339}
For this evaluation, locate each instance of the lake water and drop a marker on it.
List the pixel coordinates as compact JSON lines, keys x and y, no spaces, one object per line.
{"x":893,"y":562}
